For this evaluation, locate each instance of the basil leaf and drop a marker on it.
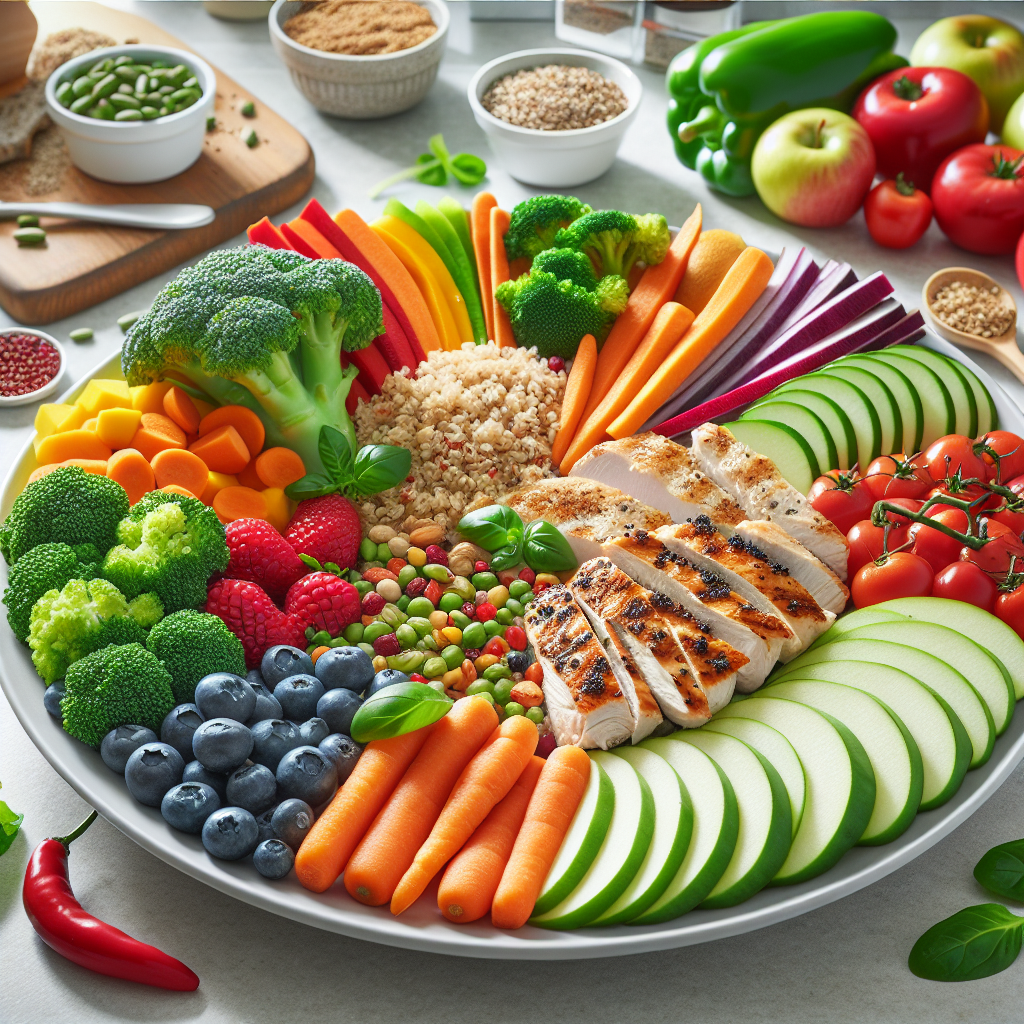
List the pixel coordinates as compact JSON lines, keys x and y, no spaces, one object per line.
{"x":1001,"y":870}
{"x":974,"y":943}
{"x":506,"y":557}
{"x":336,"y":455}
{"x":398,"y":709}
{"x":10,"y":823}
{"x":490,"y":527}
{"x":313,"y":485}
{"x":467,"y":168}
{"x":433,"y":172}
{"x":546,"y":549}
{"x":379,"y":467}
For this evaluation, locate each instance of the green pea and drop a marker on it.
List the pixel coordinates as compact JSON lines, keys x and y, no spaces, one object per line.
{"x":406,"y":575}
{"x":407,"y":662}
{"x":125,"y":102}
{"x":527,"y":598}
{"x":450,"y":602}
{"x":407,"y":636}
{"x":354,"y":632}
{"x":367,"y":649}
{"x":458,"y":619}
{"x":535,"y":715}
{"x":513,"y":606}
{"x":428,"y":642}
{"x":339,"y":641}
{"x":419,"y":623}
{"x":149,"y":113}
{"x":519,"y":587}
{"x":28,"y":220}
{"x":486,"y":696}
{"x":367,"y":549}
{"x":494,"y":628}
{"x":321,"y":636}
{"x":496,"y":672}
{"x":82,"y":104}
{"x":403,"y":602}
{"x":514,"y":708}
{"x":363,"y":587}
{"x":82,"y":86}
{"x":504,"y":616}
{"x":474,"y":635}
{"x":81,"y":334}
{"x":128,"y":115}
{"x":65,"y":94}
{"x":383,"y":553}
{"x":453,"y":656}
{"x":480,"y":686}
{"x":374,"y":630}
{"x":420,"y":607}
{"x":484,"y":580}
{"x":434,"y":667}
{"x":436,"y":572}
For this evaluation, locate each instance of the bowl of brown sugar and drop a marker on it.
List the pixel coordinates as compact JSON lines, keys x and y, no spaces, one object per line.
{"x":361,"y":59}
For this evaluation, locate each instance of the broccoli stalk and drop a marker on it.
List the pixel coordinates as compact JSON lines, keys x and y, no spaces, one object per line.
{"x":615,"y":241}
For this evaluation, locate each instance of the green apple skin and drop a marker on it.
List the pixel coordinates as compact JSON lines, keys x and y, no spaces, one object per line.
{"x":1013,"y":126}
{"x":983,"y":48}
{"x":813,"y":167}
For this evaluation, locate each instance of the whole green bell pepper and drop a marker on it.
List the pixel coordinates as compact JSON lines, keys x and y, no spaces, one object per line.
{"x":725,"y":91}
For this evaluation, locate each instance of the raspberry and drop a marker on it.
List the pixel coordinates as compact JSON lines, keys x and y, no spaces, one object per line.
{"x":325,"y":601}
{"x":249,"y":613}
{"x":433,"y":592}
{"x":436,"y":555}
{"x":372,"y":604}
{"x":486,"y":611}
{"x":328,"y":529}
{"x":481,"y":566}
{"x":516,"y":638}
{"x":387,"y":646}
{"x":527,"y":575}
{"x":261,"y":555}
{"x":469,"y":610}
{"x":416,"y":587}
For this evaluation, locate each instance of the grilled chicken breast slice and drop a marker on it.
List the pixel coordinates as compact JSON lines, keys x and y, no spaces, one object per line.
{"x":761,"y":491}
{"x":586,"y":705}
{"x":661,"y":473}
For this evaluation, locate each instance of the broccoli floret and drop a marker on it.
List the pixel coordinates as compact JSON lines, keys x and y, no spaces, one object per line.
{"x":170,"y":545}
{"x":567,"y":265}
{"x":66,"y":506}
{"x":82,"y":617}
{"x":122,"y":685}
{"x":263,"y":328}
{"x":45,"y":567}
{"x":614,"y":241}
{"x":534,"y":223}
{"x":193,"y":644}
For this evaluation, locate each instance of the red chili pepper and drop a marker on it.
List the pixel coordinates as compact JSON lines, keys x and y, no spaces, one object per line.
{"x":65,"y":927}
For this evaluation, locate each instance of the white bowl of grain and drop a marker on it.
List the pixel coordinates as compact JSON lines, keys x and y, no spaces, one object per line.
{"x":365,"y":85}
{"x":513,"y":94}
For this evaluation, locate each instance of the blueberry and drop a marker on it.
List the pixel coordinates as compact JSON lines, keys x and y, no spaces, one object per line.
{"x":119,"y":744}
{"x":283,"y":661}
{"x":230,"y":833}
{"x":217,"y":781}
{"x":178,"y":727}
{"x":337,"y":708}
{"x":254,"y":676}
{"x":313,"y":731}
{"x":253,"y":788}
{"x":386,"y":677}
{"x":518,"y":661}
{"x":267,"y":705}
{"x":152,"y":770}
{"x":298,"y":696}
{"x":291,"y":821}
{"x":272,"y":739}
{"x":308,"y":774}
{"x":187,"y":805}
{"x":264,"y":824}
{"x":343,"y":752}
{"x":349,"y":667}
{"x":222,"y":744}
{"x":225,"y":695}
{"x":273,"y":859}
{"x":52,"y":696}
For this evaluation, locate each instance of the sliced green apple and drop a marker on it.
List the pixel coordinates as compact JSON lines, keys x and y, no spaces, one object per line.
{"x":851,"y":620}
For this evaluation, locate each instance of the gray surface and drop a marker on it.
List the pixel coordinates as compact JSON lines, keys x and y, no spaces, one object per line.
{"x":846,"y":962}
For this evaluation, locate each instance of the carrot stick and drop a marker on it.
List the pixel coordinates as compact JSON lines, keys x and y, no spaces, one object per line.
{"x":656,"y":287}
{"x":485,"y":781}
{"x":471,"y":878}
{"x":329,"y":843}
{"x":671,"y":323}
{"x":399,"y":830}
{"x":499,"y":275}
{"x":577,"y":391}
{"x":559,"y":790}
{"x":739,"y":290}
{"x":480,"y":228}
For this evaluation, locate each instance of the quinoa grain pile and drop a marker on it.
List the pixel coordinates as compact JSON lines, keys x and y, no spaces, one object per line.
{"x":360,"y":27}
{"x":973,"y":310}
{"x":479,"y":421}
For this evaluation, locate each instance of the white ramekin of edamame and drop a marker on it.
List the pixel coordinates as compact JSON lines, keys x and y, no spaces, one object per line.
{"x":134,"y":152}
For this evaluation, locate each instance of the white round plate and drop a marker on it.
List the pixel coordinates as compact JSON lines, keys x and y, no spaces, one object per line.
{"x":422,"y":927}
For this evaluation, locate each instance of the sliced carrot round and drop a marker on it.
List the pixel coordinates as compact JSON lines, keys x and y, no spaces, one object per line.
{"x":245,"y":421}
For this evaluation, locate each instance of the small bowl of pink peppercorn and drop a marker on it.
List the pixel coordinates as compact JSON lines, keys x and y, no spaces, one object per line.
{"x":31,"y":365}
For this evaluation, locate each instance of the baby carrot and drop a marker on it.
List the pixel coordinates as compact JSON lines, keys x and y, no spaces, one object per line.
{"x":471,"y":878}
{"x":499,"y":275}
{"x":576,"y":396}
{"x":486,"y":780}
{"x":559,"y":790}
{"x":480,"y":219}
{"x":326,"y":849}
{"x":388,"y":848}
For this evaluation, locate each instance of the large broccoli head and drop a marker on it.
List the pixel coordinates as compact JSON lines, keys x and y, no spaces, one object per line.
{"x":263,"y":328}
{"x":192,"y":644}
{"x":615,"y":241}
{"x":534,"y":223}
{"x":66,"y":506}
{"x":169,"y":544}
{"x":82,"y":617}
{"x":118,"y":685}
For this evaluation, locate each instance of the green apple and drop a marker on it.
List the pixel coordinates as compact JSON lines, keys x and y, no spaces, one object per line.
{"x":813,"y":167}
{"x":986,"y":49}
{"x":1013,"y":126}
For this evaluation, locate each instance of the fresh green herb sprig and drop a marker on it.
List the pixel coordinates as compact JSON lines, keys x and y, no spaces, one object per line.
{"x":398,"y":709}
{"x":433,"y":168}
{"x":370,"y":470}
{"x":498,"y":529}
{"x":10,"y":823}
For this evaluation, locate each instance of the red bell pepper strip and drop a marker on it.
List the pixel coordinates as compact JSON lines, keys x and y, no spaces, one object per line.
{"x":264,"y":233}
{"x":66,"y":927}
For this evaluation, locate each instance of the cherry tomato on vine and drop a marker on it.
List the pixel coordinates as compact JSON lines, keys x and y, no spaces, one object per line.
{"x":896,"y":476}
{"x":961,"y":494}
{"x":1010,"y":608}
{"x":1012,"y":520}
{"x":911,"y":504}
{"x":1010,"y":449}
{"x":1016,"y":485}
{"x":841,"y":498}
{"x":865,"y":540}
{"x":935,"y":547}
{"x":951,"y":453}
{"x":964,"y":581}
{"x":995,"y":556}
{"x":900,"y":575}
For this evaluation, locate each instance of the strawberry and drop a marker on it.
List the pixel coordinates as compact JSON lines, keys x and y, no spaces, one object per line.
{"x":250,"y":614}
{"x":261,"y":555}
{"x":323,"y":600}
{"x":327,"y":529}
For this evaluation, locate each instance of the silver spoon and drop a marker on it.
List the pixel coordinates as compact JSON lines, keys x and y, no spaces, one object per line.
{"x":168,"y":216}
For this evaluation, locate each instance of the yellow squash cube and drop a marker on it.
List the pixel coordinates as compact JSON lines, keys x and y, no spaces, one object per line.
{"x":215,"y":483}
{"x":52,"y":418}
{"x":117,"y":427}
{"x":150,"y":397}
{"x":279,"y":508}
{"x":105,"y":394}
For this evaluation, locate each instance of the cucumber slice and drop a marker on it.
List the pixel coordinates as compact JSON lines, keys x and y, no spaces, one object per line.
{"x":715,"y":827}
{"x":936,"y":401}
{"x":889,"y":417}
{"x":836,"y":422}
{"x":988,"y":417}
{"x":852,"y":401}
{"x":903,"y":391}
{"x":766,"y":822}
{"x":621,"y":854}
{"x":956,"y":383}
{"x":793,"y":456}
{"x":805,"y":422}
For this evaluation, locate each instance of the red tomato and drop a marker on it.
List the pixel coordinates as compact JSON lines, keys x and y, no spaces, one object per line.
{"x":944,"y":457}
{"x":1010,"y":608}
{"x":1020,"y":261}
{"x":1013,"y":521}
{"x":996,"y":555}
{"x":900,"y":575}
{"x":1016,"y":485}
{"x":841,"y":498}
{"x":865,"y":540}
{"x":911,"y":504}
{"x":935,"y":547}
{"x":971,"y":493}
{"x":1010,"y":449}
{"x":896,"y":476}
{"x":916,"y":117}
{"x":897,"y":214}
{"x":964,"y":581}
{"x":978,"y":193}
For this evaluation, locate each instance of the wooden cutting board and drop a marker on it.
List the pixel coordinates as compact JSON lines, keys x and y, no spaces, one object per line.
{"x":83,"y":264}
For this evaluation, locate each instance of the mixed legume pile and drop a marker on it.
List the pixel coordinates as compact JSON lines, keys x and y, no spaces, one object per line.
{"x":26,"y":364}
{"x":973,"y":310}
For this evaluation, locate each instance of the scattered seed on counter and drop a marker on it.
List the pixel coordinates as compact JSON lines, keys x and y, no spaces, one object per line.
{"x":26,"y":364}
{"x":973,"y":310}
{"x":81,"y":334}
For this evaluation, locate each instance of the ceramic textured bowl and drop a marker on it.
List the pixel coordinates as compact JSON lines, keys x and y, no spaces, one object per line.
{"x":6,"y":401}
{"x":360,"y":87}
{"x":555,"y":159}
{"x":133,"y":152}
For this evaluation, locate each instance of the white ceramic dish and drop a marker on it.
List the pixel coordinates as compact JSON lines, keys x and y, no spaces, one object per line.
{"x":422,"y":927}
{"x":555,"y":159}
{"x":6,"y":402}
{"x":357,"y":87}
{"x":135,"y":152}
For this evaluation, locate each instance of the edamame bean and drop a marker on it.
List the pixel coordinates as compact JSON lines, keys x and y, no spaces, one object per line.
{"x":420,"y":624}
{"x":125,"y":102}
{"x":514,"y":606}
{"x":407,"y":635}
{"x":126,"y":72}
{"x":353,"y":632}
{"x":435,"y":572}
{"x":474,"y":636}
{"x":142,"y":83}
{"x":367,"y":649}
{"x":459,"y":619}
{"x":496,"y":672}
{"x":28,"y":220}
{"x":128,"y":115}
{"x":101,"y":67}
{"x":105,"y":86}
{"x":519,"y":587}
{"x":82,"y":104}
{"x":453,"y":656}
{"x":450,"y":602}
{"x":81,"y":334}
{"x":82,"y":86}
{"x":123,"y":60}
{"x":535,"y":715}
{"x":190,"y":83}
{"x":29,"y":236}
{"x":65,"y":94}
{"x":102,"y":111}
{"x":484,"y":580}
